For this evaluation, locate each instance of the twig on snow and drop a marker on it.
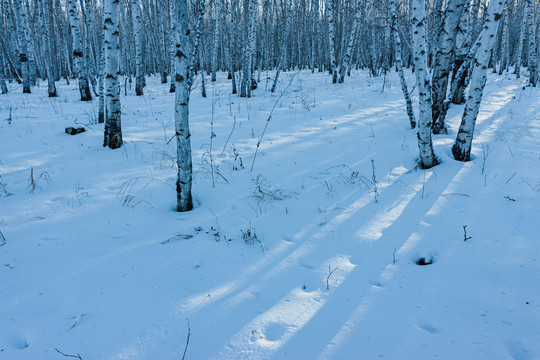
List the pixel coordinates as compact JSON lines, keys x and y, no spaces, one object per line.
{"x":187,"y":341}
{"x":67,"y":355}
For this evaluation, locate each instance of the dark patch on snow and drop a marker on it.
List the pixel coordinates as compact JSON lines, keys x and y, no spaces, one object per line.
{"x":424,"y":261}
{"x":74,"y":130}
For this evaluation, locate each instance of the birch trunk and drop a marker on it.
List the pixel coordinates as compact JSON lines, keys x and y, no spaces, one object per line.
{"x":113,"y":128}
{"x":23,"y":45}
{"x":251,"y":45}
{"x":443,"y":61}
{"x":532,"y":43}
{"x":505,"y":49}
{"x":182,"y":94}
{"x":281,"y":62}
{"x":346,"y":63}
{"x":44,"y":10}
{"x":332,"y":39}
{"x":399,"y":64}
{"x":217,"y":15}
{"x":463,"y":143}
{"x":425,"y":145}
{"x":521,"y":40}
{"x":139,"y":64}
{"x":78,"y":53}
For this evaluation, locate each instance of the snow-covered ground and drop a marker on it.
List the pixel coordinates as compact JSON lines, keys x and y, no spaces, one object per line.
{"x":311,"y":254}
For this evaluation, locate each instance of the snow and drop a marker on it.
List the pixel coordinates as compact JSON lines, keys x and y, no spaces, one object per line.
{"x":312,"y":255}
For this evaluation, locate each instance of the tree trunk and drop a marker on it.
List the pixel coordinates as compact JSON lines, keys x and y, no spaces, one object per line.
{"x":215,"y":48}
{"x":113,"y":128}
{"x":463,"y":143}
{"x":332,"y":39}
{"x":443,"y":61}
{"x":425,"y":145}
{"x":521,"y":39}
{"x":399,"y":64}
{"x":532,"y":43}
{"x":182,"y":94}
{"x":139,"y":64}
{"x":78,"y":54}
{"x":44,"y":10}
{"x":20,"y":15}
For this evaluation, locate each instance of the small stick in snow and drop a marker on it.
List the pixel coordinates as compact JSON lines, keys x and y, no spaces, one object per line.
{"x":511,"y":177}
{"x":330,"y":272}
{"x":187,"y":341}
{"x":509,"y":198}
{"x":465,"y":238}
{"x":67,"y":355}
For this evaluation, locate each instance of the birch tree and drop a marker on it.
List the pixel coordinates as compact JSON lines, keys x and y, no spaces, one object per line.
{"x":462,"y":146}
{"x":20,"y":16}
{"x":217,"y":16}
{"x":425,"y":145}
{"x":332,"y":39}
{"x":182,"y":94}
{"x":399,"y":63}
{"x":521,"y":39}
{"x":139,"y":65}
{"x":78,"y":53}
{"x":443,"y":60}
{"x":532,"y":43}
{"x":113,"y":128}
{"x":44,"y":10}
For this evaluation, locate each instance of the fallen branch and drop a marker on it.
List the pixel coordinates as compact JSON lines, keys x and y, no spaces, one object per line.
{"x":187,"y":341}
{"x":67,"y":355}
{"x":330,"y":272}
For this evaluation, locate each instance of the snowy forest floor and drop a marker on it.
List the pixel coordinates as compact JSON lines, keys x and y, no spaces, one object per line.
{"x":312,"y":254}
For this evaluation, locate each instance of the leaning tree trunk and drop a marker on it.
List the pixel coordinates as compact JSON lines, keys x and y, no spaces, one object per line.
{"x":443,"y":61}
{"x":182,"y":93}
{"x":462,"y":146}
{"x":20,"y":14}
{"x":113,"y":129}
{"x":425,"y":145}
{"x":78,"y":53}
{"x":139,"y":65}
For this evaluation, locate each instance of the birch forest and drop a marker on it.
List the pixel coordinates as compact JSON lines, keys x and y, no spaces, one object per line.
{"x":269,"y":174}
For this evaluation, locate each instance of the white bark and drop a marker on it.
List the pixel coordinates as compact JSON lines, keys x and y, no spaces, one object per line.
{"x":521,"y":40}
{"x":113,"y":129}
{"x":463,"y":143}
{"x":532,"y":43}
{"x":182,"y":94}
{"x":43,"y":9}
{"x":78,"y":53}
{"x":217,"y":16}
{"x":399,"y":63}
{"x":139,"y":65}
{"x":20,"y":16}
{"x":332,"y":39}
{"x":425,"y":145}
{"x":443,"y":61}
{"x":283,"y":53}
{"x":346,"y":63}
